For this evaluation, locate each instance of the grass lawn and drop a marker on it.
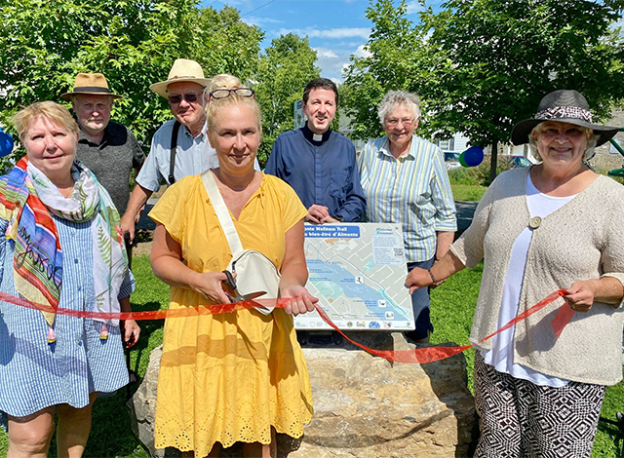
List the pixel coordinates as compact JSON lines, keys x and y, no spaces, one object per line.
{"x":467,"y":193}
{"x":452,"y":310}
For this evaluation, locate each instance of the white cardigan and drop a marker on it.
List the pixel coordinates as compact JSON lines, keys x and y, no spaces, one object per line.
{"x":582,"y":240}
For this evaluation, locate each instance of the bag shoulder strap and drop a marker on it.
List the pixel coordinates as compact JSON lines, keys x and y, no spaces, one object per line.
{"x":222,"y":213}
{"x":174,"y":149}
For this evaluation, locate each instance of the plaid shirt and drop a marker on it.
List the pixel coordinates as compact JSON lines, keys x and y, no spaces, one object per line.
{"x":413,"y":190}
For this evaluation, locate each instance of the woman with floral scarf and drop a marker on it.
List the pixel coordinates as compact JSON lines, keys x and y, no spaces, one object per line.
{"x":62,"y":248}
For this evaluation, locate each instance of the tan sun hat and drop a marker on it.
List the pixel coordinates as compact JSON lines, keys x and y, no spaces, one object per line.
{"x":90,"y":84}
{"x":183,"y":71}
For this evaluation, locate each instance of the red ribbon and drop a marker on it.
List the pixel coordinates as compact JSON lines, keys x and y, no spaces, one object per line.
{"x":431,"y":354}
{"x":417,"y":355}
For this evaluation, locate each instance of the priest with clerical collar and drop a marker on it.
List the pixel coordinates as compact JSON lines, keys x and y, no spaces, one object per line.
{"x":318,"y":163}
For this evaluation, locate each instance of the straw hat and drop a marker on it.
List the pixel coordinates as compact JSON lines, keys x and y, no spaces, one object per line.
{"x":562,"y":106}
{"x":90,"y":84}
{"x":183,"y":70}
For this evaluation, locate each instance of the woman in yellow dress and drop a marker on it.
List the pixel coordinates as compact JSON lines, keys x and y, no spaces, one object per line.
{"x":241,"y":376}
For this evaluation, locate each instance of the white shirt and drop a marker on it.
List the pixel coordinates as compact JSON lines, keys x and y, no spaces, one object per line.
{"x":501,"y":354}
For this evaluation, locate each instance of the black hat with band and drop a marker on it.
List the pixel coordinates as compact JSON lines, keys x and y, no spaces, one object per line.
{"x":562,"y":106}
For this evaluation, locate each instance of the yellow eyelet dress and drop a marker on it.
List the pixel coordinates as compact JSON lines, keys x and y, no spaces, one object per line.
{"x":230,"y":377}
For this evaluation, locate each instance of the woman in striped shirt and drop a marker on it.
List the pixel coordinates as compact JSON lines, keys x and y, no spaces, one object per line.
{"x":405,"y":181}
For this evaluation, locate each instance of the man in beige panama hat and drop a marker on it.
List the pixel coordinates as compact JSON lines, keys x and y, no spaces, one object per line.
{"x":108,"y":149}
{"x":185,"y":135}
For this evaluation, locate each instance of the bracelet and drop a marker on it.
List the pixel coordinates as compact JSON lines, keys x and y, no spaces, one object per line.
{"x":435,"y":282}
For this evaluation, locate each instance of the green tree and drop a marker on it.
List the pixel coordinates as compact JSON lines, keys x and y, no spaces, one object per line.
{"x":225,"y":44}
{"x":393,"y":48}
{"x":45,"y":43}
{"x":480,"y":66}
{"x":488,"y":64}
{"x":283,"y":71}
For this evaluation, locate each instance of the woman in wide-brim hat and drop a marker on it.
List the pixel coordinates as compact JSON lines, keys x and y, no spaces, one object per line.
{"x":555,"y":225}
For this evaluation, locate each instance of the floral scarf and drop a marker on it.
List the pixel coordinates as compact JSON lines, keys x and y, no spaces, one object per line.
{"x":28,"y":199}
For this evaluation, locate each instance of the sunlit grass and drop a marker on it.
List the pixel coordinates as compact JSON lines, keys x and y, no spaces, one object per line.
{"x":467,"y":193}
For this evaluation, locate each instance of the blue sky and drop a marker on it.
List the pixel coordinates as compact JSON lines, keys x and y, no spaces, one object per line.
{"x":336,"y":28}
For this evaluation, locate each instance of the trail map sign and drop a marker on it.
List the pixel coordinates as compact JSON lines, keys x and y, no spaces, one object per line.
{"x":358,"y":273}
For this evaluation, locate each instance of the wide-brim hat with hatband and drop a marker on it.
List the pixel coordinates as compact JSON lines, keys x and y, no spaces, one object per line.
{"x":183,"y":71}
{"x":562,"y":106}
{"x":90,"y":84}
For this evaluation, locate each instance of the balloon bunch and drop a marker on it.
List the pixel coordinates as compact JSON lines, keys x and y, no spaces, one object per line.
{"x":6,"y":143}
{"x":472,"y":157}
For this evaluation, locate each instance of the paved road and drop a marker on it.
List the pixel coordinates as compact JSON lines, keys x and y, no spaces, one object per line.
{"x":465,"y":212}
{"x":145,"y":222}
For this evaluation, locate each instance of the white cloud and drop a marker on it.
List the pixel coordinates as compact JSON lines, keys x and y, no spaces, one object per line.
{"x":334,"y":60}
{"x":362,"y":51}
{"x":330,"y":61}
{"x":619,"y":23}
{"x":325,"y":53}
{"x":260,"y":21}
{"x":345,"y":32}
{"x":414,"y":7}
{"x":337,"y":60}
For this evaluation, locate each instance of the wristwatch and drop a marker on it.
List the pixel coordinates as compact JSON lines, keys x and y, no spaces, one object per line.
{"x":339,"y":218}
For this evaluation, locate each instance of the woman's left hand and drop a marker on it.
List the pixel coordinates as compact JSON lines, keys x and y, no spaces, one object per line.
{"x":130,"y":332}
{"x":302,"y":301}
{"x":580,"y":296}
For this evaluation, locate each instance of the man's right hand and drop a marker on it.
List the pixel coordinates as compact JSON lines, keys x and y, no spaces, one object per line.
{"x":137,"y":202}
{"x":127,"y":225}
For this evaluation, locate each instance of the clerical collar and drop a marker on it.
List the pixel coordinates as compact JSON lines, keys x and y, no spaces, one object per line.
{"x":315,"y":139}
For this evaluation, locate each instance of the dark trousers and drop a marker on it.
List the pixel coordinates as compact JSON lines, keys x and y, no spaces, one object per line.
{"x":420,"y":305}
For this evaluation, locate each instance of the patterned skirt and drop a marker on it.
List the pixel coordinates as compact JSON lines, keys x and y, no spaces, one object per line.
{"x":521,"y":419}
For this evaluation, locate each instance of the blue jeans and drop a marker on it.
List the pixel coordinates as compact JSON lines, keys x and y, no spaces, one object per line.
{"x":420,"y":305}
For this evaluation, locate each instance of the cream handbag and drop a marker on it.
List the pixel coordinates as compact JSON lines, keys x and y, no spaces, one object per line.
{"x":255,"y":272}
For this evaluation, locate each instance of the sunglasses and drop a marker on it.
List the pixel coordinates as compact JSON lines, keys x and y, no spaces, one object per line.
{"x":175,"y":99}
{"x":224,"y":93}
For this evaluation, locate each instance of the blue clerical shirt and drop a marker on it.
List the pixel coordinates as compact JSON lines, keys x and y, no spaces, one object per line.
{"x":322,"y":172}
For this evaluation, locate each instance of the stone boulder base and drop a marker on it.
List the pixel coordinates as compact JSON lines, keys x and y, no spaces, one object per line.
{"x":365,"y":406}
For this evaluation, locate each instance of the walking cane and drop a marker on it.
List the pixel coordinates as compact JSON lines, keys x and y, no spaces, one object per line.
{"x":131,"y":374}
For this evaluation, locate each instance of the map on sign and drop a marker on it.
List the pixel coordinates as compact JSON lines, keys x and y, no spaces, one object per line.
{"x":358,"y":273}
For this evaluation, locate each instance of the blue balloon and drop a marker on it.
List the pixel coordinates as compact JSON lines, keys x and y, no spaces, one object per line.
{"x":472,"y":157}
{"x":6,"y":143}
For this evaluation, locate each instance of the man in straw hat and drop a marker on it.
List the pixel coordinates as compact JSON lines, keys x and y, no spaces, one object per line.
{"x":108,"y":149}
{"x":182,"y":139}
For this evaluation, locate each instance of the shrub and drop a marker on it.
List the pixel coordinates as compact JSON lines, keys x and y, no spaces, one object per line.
{"x":479,"y":175}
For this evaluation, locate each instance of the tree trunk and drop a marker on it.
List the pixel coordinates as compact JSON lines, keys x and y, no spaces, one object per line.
{"x":493,"y":161}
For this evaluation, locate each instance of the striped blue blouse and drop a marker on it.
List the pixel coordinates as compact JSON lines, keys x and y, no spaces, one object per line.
{"x":413,"y":190}
{"x":35,"y":375}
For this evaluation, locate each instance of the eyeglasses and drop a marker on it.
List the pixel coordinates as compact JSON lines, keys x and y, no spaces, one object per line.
{"x":223,"y":93}
{"x":407,"y":122}
{"x":175,"y":99}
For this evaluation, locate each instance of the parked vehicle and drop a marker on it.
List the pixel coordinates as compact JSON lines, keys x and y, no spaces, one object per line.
{"x":515,"y":161}
{"x":451,"y":160}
